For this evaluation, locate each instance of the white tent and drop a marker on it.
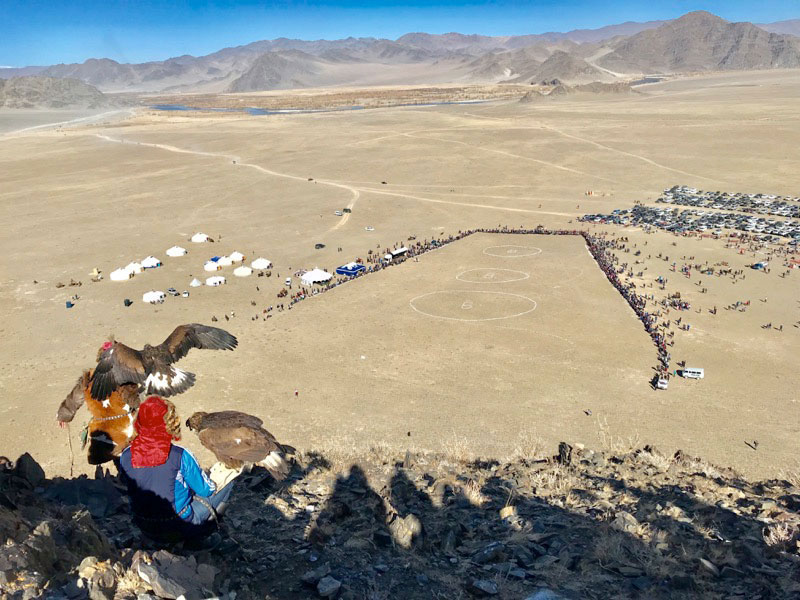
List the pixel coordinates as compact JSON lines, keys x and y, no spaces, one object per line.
{"x":315,"y":276}
{"x":261,"y":263}
{"x":151,"y":262}
{"x":236,"y":256}
{"x":225,"y":261}
{"x":215,"y":280}
{"x":122,"y":274}
{"x":243,"y":271}
{"x":134,"y":267}
{"x":199,"y":238}
{"x":176,"y":251}
{"x":153,"y":297}
{"x":210,"y":265}
{"x":195,"y":283}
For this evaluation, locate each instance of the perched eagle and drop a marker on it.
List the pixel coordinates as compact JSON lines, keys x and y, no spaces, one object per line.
{"x":152,"y":367}
{"x":238,"y":440}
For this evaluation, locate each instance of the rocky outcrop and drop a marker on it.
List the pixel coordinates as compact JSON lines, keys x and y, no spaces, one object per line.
{"x":50,"y":92}
{"x":580,"y":523}
{"x":557,"y":90}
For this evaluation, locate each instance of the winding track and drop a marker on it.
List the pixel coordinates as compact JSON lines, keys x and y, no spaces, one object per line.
{"x":356,"y":192}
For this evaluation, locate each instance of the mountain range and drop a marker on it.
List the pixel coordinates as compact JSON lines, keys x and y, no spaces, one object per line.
{"x":697,"y":41}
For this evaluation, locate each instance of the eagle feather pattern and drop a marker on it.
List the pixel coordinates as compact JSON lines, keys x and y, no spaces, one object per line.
{"x":239,"y":440}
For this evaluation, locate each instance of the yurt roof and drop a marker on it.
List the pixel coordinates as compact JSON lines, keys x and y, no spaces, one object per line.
{"x":261,"y":263}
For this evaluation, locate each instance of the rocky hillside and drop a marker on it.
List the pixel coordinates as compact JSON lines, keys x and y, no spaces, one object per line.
{"x":700,"y":41}
{"x":50,"y":92}
{"x":277,"y":70}
{"x":580,"y":524}
{"x":559,"y":89}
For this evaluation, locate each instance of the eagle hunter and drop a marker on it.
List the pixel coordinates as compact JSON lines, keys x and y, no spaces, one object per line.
{"x":152,"y":367}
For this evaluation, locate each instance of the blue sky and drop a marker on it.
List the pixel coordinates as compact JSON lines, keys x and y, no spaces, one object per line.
{"x":40,"y":32}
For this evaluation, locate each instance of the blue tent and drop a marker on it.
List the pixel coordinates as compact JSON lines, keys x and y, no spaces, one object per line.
{"x":350,"y":269}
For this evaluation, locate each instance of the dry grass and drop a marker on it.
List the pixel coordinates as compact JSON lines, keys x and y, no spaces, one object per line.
{"x":781,"y":536}
{"x":458,"y":449}
{"x":556,"y":480}
{"x":612,"y":443}
{"x":657,"y":460}
{"x":529,"y":446}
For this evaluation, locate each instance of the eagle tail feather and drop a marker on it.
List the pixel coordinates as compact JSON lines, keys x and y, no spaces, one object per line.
{"x":277,"y":465}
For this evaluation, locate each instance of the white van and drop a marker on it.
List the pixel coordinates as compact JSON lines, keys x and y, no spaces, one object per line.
{"x":693,"y":373}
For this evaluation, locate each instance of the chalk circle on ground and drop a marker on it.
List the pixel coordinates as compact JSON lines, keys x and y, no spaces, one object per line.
{"x":512,"y":251}
{"x":472,"y":305}
{"x":490,"y":275}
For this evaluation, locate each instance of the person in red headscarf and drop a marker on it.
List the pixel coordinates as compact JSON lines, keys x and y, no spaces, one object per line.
{"x":110,"y":429}
{"x":164,"y":480}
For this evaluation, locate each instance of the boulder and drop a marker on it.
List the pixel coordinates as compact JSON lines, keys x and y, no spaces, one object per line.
{"x":30,"y":470}
{"x":172,"y":576}
{"x":328,"y":587}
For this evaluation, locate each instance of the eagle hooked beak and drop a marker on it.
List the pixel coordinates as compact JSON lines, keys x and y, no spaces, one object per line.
{"x":189,"y":425}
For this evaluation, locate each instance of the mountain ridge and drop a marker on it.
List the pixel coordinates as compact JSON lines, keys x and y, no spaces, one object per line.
{"x":613,"y":51}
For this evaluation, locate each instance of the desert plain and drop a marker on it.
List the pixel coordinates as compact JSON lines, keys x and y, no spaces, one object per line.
{"x":416,"y":356}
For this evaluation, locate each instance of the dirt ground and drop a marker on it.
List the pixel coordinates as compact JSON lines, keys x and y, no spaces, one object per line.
{"x":103,"y":195}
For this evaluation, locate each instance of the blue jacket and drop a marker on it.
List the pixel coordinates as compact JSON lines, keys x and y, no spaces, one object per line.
{"x":166,"y":490}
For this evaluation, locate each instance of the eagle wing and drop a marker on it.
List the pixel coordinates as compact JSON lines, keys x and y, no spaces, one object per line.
{"x":194,"y":335}
{"x":238,"y":445}
{"x":117,"y":366}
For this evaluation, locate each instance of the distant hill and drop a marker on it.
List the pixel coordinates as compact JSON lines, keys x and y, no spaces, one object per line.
{"x":277,"y":70}
{"x":790,"y":27}
{"x":700,"y":41}
{"x":50,"y":92}
{"x":594,"y":88}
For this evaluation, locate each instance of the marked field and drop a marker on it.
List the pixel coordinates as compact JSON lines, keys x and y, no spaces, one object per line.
{"x":472,"y":305}
{"x":491,"y":275}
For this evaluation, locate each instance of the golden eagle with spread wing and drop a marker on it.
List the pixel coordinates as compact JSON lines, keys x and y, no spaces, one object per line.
{"x":239,"y":440}
{"x":152,"y":367}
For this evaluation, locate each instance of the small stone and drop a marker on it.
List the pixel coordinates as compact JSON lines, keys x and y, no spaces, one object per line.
{"x":517,"y":573}
{"x":422,"y":579}
{"x":545,"y":594}
{"x":642,"y":583}
{"x":710,"y":567}
{"x":488,"y":553}
{"x":626,"y":522}
{"x":312,"y":577}
{"x":328,"y":587}
{"x":483,"y":587}
{"x":381,"y":568}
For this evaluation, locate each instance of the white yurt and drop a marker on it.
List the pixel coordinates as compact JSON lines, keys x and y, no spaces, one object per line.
{"x":225,"y":261}
{"x":243,"y":271}
{"x":200,"y":238}
{"x":153,"y":297}
{"x":210,"y":265}
{"x":176,"y":251}
{"x":134,"y":267}
{"x":236,"y":256}
{"x":151,"y":262}
{"x":215,"y":280}
{"x":260,"y":264}
{"x":195,"y":283}
{"x":315,"y":276}
{"x":122,"y":274}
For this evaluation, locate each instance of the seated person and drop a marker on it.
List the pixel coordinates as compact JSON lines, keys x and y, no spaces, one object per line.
{"x":168,"y":489}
